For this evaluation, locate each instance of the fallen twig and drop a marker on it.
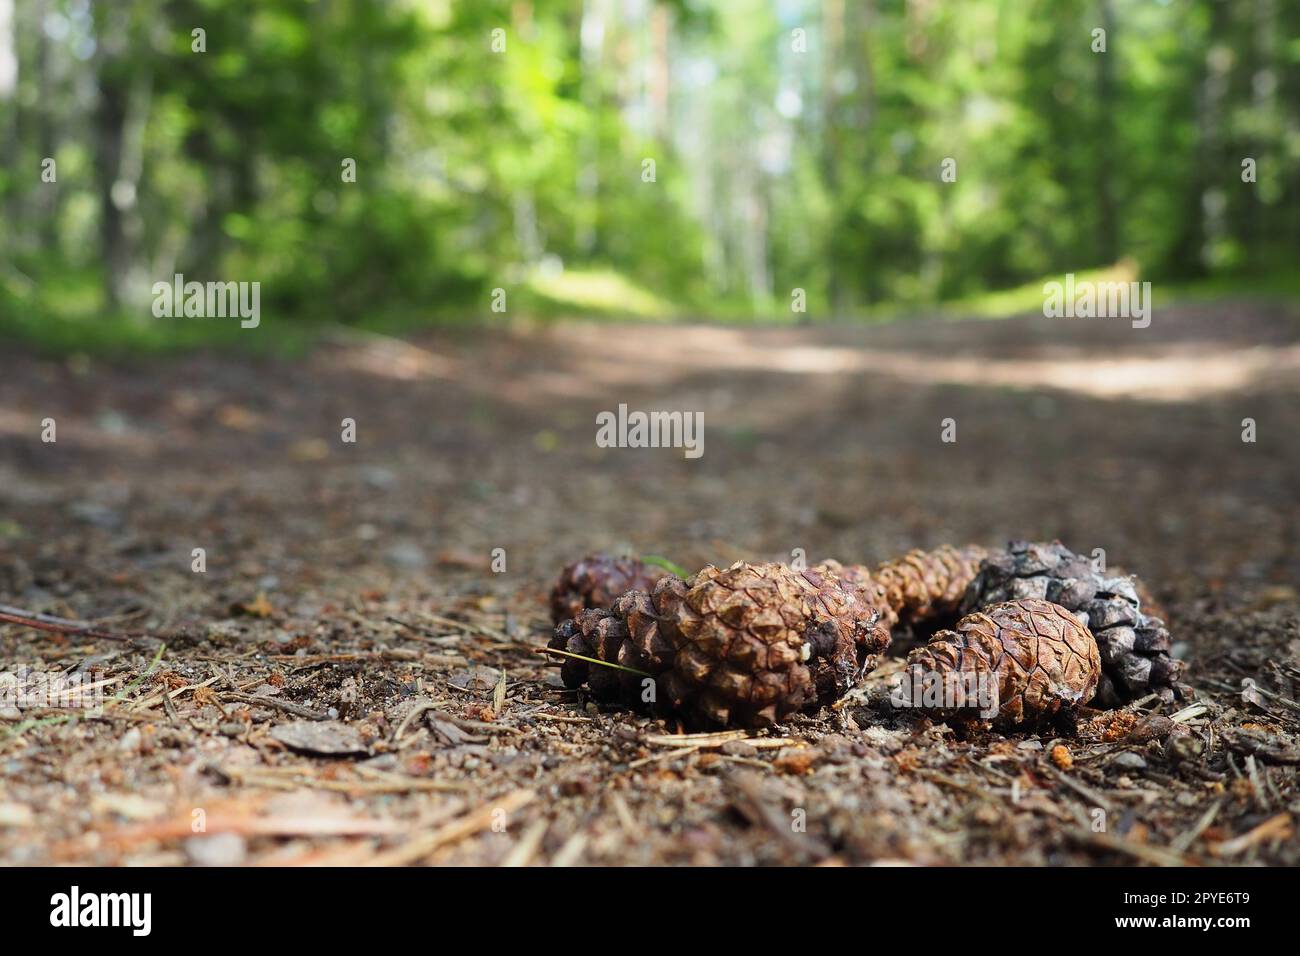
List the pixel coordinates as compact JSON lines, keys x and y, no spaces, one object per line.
{"x":58,"y":625}
{"x":1140,"y":851}
{"x":298,"y":710}
{"x":1274,"y":828}
{"x":528,"y":844}
{"x":1183,"y":842}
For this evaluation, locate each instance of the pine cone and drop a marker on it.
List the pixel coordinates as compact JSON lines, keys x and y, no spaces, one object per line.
{"x":1134,"y":645}
{"x":923,"y":585}
{"x":595,"y":581}
{"x":746,"y":646}
{"x":1026,"y":660}
{"x":860,"y":579}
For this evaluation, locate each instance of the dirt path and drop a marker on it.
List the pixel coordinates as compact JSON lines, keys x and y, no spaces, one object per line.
{"x":353,"y":580}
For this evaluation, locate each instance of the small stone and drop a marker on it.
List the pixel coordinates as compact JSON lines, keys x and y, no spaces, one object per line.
{"x":220,"y":849}
{"x":406,"y":556}
{"x":376,"y":476}
{"x":16,"y":815}
{"x":1182,"y":744}
{"x":1128,"y":760}
{"x":94,"y":513}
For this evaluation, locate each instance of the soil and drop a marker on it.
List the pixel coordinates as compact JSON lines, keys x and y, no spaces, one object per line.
{"x":355,"y":677}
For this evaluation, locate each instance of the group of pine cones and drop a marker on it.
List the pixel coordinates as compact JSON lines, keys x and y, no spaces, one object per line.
{"x":1040,"y":627}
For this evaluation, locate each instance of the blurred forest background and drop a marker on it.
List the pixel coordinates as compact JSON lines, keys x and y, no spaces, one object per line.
{"x":796,"y":143}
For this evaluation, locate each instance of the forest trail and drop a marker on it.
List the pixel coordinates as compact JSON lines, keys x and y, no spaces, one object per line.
{"x":357,"y":578}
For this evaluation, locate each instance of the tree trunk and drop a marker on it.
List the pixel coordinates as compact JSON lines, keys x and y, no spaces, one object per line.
{"x":1107,"y":215}
{"x":109,"y":127}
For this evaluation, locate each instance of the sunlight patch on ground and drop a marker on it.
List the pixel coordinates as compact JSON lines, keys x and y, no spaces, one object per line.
{"x":599,"y":291}
{"x":387,"y":357}
{"x":1175,"y":373}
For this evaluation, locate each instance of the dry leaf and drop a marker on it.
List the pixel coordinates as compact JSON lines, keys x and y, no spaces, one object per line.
{"x":259,"y":606}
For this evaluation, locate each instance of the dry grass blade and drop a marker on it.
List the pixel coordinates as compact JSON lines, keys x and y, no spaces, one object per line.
{"x":694,"y":740}
{"x":421,"y":706}
{"x":420,"y":846}
{"x":1189,"y":713}
{"x":243,"y":819}
{"x":593,"y":660}
{"x":709,"y":740}
{"x":1184,"y":841}
{"x":523,"y":852}
{"x":499,"y":694}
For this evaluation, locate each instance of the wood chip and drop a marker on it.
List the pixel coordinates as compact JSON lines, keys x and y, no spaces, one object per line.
{"x":329,"y":738}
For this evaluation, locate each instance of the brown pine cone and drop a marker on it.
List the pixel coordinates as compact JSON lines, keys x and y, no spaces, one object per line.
{"x":596,"y":580}
{"x":746,"y":646}
{"x":860,"y":579}
{"x":923,"y":585}
{"x":1134,"y":643}
{"x":1025,"y":661}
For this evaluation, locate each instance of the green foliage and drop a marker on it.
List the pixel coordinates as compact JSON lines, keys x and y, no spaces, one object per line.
{"x":795,"y":146}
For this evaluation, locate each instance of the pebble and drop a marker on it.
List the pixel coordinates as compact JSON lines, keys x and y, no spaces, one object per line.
{"x":94,"y":513}
{"x":406,"y":556}
{"x":220,"y":849}
{"x":1128,"y":760}
{"x":376,"y":476}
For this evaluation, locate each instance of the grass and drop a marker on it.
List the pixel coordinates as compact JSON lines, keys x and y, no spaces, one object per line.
{"x":597,"y":292}
{"x":63,"y":316}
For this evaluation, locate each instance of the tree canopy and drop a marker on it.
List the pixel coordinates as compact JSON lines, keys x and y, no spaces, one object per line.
{"x":408,"y":157}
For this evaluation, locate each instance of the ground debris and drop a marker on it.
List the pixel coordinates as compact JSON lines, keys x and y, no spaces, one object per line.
{"x":328,"y":738}
{"x":356,"y":641}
